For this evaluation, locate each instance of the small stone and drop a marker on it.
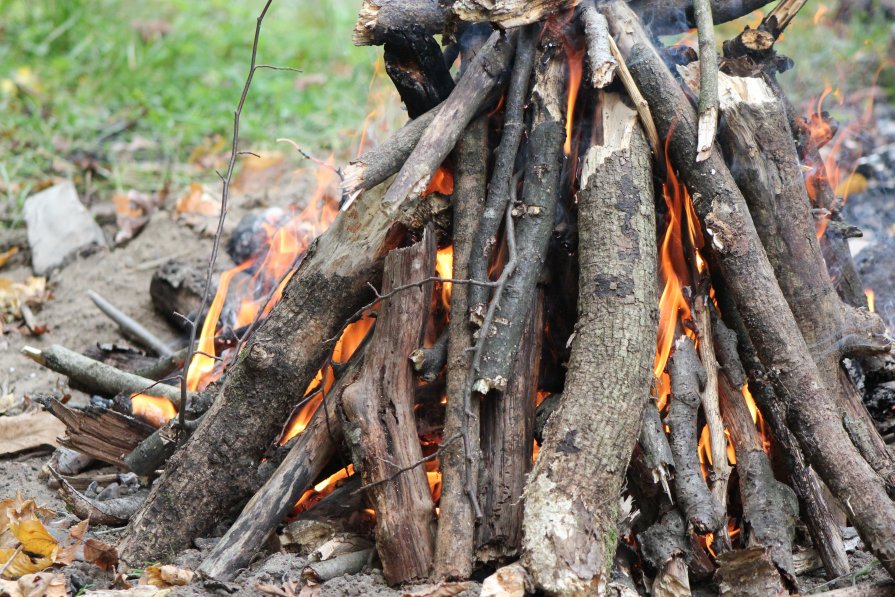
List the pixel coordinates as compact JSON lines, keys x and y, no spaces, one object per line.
{"x":59,"y":228}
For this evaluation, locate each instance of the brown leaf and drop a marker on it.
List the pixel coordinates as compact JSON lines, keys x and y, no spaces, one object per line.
{"x":102,"y":554}
{"x":288,"y":589}
{"x":29,"y":430}
{"x":509,"y":581}
{"x":5,"y":256}
{"x":442,"y":589}
{"x":35,"y":585}
{"x":166,"y":576}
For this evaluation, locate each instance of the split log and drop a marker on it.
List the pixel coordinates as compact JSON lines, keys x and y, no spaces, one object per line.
{"x":811,"y":412}
{"x":507,"y":429}
{"x":176,"y":292}
{"x":701,"y":511}
{"x":758,"y":146}
{"x":97,"y":377}
{"x":770,"y":508}
{"x":311,"y":451}
{"x":378,"y":419}
{"x":822,"y":527}
{"x":101,"y":433}
{"x":601,"y":63}
{"x":415,"y":64}
{"x":207,"y":478}
{"x":570,"y":521}
{"x":454,"y":544}
{"x":533,"y":217}
{"x":502,"y":185}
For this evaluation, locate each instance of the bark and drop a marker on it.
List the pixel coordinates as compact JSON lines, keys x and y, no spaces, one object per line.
{"x":640,"y":103}
{"x":479,"y":85}
{"x":601,"y":63}
{"x":378,"y":20}
{"x":509,"y":13}
{"x":701,"y":511}
{"x":454,"y":545}
{"x":533,"y":218}
{"x":748,"y":573}
{"x":310,"y":452}
{"x":415,"y":64}
{"x":96,"y":377}
{"x":207,"y":478}
{"x":379,"y":424}
{"x":571,"y":504}
{"x":657,"y":454}
{"x":502,"y":185}
{"x":763,"y":160}
{"x":667,"y":17}
{"x":428,"y":363}
{"x":822,"y":526}
{"x":383,"y":161}
{"x":758,"y":42}
{"x":507,"y":436}
{"x":811,"y":413}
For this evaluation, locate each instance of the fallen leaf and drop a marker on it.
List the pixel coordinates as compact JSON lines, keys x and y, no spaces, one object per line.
{"x":132,"y":211}
{"x":29,"y":430}
{"x":289,"y":589}
{"x":166,"y":576}
{"x":138,"y":591}
{"x":199,"y":209}
{"x":16,"y":563}
{"x":442,"y":589}
{"x":35,"y":538}
{"x":102,"y":554}
{"x":33,"y":291}
{"x":35,"y":585}
{"x":5,"y":256}
{"x":508,"y":581}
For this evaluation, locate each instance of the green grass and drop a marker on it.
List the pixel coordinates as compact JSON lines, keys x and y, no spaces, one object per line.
{"x":71,"y":71}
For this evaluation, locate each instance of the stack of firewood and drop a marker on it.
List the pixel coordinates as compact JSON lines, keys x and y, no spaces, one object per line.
{"x":560,"y":222}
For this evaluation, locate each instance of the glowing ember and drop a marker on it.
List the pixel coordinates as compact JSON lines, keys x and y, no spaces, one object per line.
{"x":153,"y":409}
{"x":871,"y":300}
{"x":321,"y":490}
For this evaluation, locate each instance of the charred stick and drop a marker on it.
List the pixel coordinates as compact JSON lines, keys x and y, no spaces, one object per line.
{"x":759,"y":42}
{"x":454,"y":544}
{"x":731,"y":233}
{"x":380,"y":20}
{"x":478,"y":86}
{"x":310,"y":453}
{"x":707,"y":108}
{"x":720,"y":468}
{"x":765,"y":166}
{"x":533,"y":219}
{"x":665,"y":545}
{"x":429,"y":362}
{"x":484,"y":242}
{"x":507,"y":428}
{"x":378,"y":420}
{"x":600,"y":61}
{"x":770,"y":508}
{"x":570,"y":519}
{"x":378,"y":164}
{"x":131,"y":327}
{"x":152,"y":453}
{"x":678,"y":16}
{"x":688,"y":380}
{"x":96,"y":376}
{"x":415,"y":64}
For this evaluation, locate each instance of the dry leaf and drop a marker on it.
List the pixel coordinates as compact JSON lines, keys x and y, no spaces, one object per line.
{"x":132,"y":211}
{"x":199,"y":209}
{"x":509,"y":581}
{"x":138,"y":591}
{"x":5,"y":256}
{"x":289,"y":589}
{"x":29,"y":430}
{"x":35,"y":538}
{"x":33,"y":291}
{"x":442,"y":589}
{"x":102,"y":554}
{"x":35,"y":585}
{"x":166,"y":576}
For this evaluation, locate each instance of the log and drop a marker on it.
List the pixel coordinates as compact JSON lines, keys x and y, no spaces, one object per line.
{"x":311,"y":451}
{"x":666,"y":546}
{"x":378,"y":419}
{"x":601,"y":64}
{"x":502,"y":185}
{"x":176,"y":292}
{"x":657,"y":454}
{"x":668,"y":17}
{"x":569,"y":523}
{"x":415,"y":64}
{"x":509,"y":13}
{"x":770,"y":508}
{"x":208,"y":478}
{"x":97,"y":377}
{"x":533,"y":217}
{"x":460,"y":459}
{"x":379,"y":20}
{"x":701,"y":511}
{"x":479,"y":85}
{"x":507,"y":430}
{"x":811,"y":412}
{"x":758,"y":146}
{"x":822,"y":527}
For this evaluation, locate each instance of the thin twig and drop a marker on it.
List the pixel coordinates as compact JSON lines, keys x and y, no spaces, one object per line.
{"x":409,"y":467}
{"x":640,"y":103}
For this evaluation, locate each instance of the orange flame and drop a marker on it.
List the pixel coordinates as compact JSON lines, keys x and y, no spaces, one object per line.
{"x":871,"y":300}
{"x":576,"y":68}
{"x":321,"y":490}
{"x":442,"y":181}
{"x":155,"y":410}
{"x":444,"y":267}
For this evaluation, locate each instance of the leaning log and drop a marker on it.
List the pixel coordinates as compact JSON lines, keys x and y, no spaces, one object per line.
{"x":379,"y":424}
{"x":454,"y":545}
{"x":667,"y":17}
{"x":813,"y":414}
{"x":569,"y":523}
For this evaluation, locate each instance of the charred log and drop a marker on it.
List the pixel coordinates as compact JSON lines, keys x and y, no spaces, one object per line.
{"x":415,"y":64}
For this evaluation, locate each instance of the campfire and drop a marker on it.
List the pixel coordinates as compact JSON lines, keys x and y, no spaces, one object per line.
{"x":580,"y":322}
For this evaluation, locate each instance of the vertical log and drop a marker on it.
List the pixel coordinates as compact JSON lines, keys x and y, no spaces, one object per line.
{"x":812,"y":413}
{"x":572,"y":494}
{"x":454,"y":545}
{"x":379,"y":422}
{"x":507,"y":436}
